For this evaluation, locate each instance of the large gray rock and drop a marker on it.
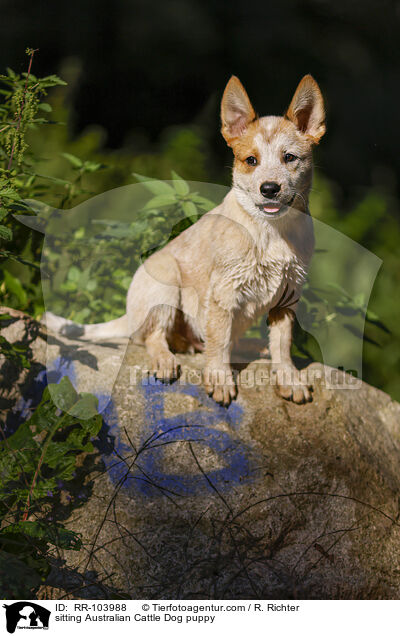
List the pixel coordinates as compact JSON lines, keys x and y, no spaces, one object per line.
{"x":265,"y":499}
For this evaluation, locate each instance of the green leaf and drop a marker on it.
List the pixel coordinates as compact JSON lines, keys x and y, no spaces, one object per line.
{"x":46,"y":107}
{"x":74,"y":274}
{"x":75,"y":161}
{"x":154,"y":185}
{"x":11,"y":73}
{"x":63,"y":394}
{"x":189,"y":208}
{"x":91,"y":286}
{"x":82,"y":315}
{"x":54,"y":534}
{"x":180,"y":185}
{"x":91,"y":166}
{"x":15,"y":287}
{"x":5,"y":233}
{"x":85,"y":408}
{"x":370,"y":315}
{"x":68,"y":286}
{"x":51,"y":80}
{"x":9,"y":193}
{"x":160,"y":200}
{"x":202,"y":202}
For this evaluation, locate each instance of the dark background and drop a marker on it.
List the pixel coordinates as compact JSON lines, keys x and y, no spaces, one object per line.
{"x":148,"y":65}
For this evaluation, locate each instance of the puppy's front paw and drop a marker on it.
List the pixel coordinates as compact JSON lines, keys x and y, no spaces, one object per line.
{"x":165,"y":366}
{"x":219,"y":384}
{"x":291,"y":384}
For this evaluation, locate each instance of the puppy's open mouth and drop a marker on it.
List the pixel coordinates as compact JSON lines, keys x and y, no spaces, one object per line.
{"x":275,"y":208}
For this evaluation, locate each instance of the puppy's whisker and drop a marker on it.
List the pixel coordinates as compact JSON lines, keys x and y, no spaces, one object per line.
{"x":302,"y":197}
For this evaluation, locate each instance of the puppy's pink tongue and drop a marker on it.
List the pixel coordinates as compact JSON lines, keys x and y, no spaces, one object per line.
{"x":272,"y":208}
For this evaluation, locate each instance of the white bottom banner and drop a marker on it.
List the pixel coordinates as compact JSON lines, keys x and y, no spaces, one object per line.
{"x":166,"y":617}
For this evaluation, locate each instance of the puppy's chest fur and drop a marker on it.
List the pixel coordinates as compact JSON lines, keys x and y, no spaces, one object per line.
{"x":261,"y":276}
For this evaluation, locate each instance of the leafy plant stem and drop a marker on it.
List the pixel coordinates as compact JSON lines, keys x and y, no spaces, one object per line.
{"x":43,"y":455}
{"x":32,"y":53}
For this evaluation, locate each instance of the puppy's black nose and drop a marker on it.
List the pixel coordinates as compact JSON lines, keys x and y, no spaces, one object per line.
{"x":269,"y":189}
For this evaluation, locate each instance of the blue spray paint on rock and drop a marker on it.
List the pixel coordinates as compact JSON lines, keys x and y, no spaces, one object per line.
{"x":149,"y":477}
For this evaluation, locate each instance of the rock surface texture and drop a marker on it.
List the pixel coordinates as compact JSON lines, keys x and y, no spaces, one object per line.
{"x":266,"y":499}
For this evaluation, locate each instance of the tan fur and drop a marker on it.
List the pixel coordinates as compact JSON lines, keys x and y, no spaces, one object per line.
{"x":236,"y":263}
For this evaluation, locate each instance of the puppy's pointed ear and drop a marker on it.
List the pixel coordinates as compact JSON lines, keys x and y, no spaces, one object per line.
{"x":236,"y":110}
{"x":307,"y":110}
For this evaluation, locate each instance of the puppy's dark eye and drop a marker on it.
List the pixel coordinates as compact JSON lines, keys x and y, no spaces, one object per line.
{"x":288,"y":157}
{"x":252,"y":161}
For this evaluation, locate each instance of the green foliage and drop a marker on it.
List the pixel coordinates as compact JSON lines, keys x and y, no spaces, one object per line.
{"x":20,"y":110}
{"x":373,"y":220}
{"x":80,"y":281}
{"x":35,"y":462}
{"x":14,"y":352}
{"x":39,"y":461}
{"x":22,"y":99}
{"x":23,"y":112}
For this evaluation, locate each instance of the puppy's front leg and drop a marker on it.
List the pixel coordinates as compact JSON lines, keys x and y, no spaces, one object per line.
{"x":218,"y":378}
{"x":290,"y":383}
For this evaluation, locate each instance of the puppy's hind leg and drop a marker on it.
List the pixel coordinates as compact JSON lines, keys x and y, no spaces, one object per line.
{"x":152,"y":305}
